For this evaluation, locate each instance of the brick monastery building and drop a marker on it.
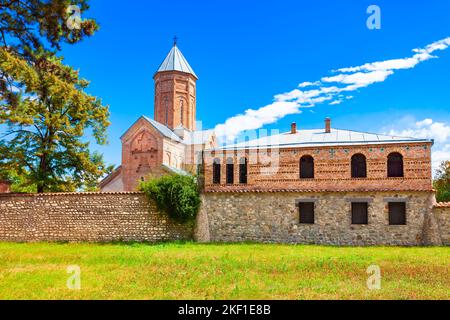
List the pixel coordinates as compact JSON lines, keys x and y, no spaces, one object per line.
{"x":324,"y":185}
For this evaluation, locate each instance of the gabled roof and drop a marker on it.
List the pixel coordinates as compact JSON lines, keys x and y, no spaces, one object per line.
{"x":110,"y":176}
{"x":191,"y":137}
{"x":175,"y":61}
{"x":318,"y":137}
{"x":165,"y":131}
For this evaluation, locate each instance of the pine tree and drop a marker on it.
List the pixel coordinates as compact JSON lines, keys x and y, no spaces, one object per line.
{"x":44,"y":109}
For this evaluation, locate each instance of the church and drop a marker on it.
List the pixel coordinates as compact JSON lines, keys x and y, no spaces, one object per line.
{"x":323,"y":186}
{"x":171,"y":141}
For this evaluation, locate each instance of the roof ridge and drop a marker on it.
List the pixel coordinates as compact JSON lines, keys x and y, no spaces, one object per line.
{"x":176,"y":61}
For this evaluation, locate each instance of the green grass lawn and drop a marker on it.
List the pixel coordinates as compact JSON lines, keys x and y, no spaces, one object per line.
{"x":221,"y":271}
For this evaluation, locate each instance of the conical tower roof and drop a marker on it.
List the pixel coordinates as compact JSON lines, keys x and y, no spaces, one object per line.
{"x":175,"y":61}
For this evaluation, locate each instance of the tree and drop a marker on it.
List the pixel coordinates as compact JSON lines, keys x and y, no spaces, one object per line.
{"x":176,"y":195}
{"x":43,"y":104}
{"x":46,"y":125}
{"x":34,"y":24}
{"x":442,"y":182}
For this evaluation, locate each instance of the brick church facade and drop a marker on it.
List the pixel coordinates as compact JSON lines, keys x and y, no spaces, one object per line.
{"x":326,"y":185}
{"x":169,"y":142}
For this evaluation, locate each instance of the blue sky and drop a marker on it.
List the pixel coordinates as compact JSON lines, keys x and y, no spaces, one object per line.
{"x":247,"y":52}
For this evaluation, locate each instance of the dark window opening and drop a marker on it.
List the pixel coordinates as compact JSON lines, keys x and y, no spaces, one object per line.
{"x":306,"y":167}
{"x":243,"y":170}
{"x":397,"y":213}
{"x":306,"y":212}
{"x":359,"y":213}
{"x":359,"y":167}
{"x":395,"y":165}
{"x":216,"y":171}
{"x":230,"y":171}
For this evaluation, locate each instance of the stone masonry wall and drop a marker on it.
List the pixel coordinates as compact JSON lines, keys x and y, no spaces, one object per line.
{"x":94,"y":217}
{"x":274,"y":217}
{"x":442,"y":214}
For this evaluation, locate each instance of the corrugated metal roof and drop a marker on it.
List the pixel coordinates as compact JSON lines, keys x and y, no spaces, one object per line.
{"x":318,"y":137}
{"x":165,"y":131}
{"x":176,"y":61}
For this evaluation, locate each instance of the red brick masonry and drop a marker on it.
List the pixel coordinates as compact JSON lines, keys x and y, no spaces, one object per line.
{"x":278,"y":169}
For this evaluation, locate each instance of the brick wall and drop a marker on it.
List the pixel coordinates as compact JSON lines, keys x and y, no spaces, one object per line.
{"x":279,"y":169}
{"x":142,"y":153}
{"x":274,"y":217}
{"x":96,"y":217}
{"x":4,"y":186}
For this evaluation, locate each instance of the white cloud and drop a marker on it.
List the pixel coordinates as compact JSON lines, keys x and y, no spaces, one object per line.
{"x":428,"y":129}
{"x":333,"y":88}
{"x":335,"y":102}
{"x":255,"y":119}
{"x":359,"y":79}
{"x":308,"y":84}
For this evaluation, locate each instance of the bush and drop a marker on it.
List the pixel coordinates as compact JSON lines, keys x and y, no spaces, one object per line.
{"x":176,"y":195}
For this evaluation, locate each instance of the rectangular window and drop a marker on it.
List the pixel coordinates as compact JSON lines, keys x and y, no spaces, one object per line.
{"x":397,"y":213}
{"x":306,"y":212}
{"x":230,"y":173}
{"x":359,"y":213}
{"x":216,"y":172}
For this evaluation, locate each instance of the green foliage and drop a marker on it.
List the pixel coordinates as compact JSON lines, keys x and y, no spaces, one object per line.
{"x":19,"y":183}
{"x":44,"y":109}
{"x":176,"y":195}
{"x":46,"y":126}
{"x":33,"y":24}
{"x":442,"y":182}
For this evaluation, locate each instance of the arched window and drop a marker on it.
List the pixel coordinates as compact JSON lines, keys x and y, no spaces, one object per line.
{"x":166,"y":109}
{"x":181,"y":110}
{"x":306,"y":167}
{"x":243,"y":170}
{"x":216,"y":171}
{"x":359,"y":167}
{"x":395,"y":165}
{"x":230,"y":171}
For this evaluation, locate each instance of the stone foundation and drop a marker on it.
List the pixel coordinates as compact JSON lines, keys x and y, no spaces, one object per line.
{"x":274,"y":218}
{"x":93,"y":217}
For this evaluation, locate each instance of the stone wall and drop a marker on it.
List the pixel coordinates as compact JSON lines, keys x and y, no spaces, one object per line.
{"x":94,"y":217}
{"x":442,"y":214}
{"x":274,"y":217}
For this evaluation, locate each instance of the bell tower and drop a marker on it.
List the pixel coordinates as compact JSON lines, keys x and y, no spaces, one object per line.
{"x":175,"y":91}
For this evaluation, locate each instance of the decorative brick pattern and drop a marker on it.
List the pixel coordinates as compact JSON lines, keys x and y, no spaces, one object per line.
{"x":274,"y":217}
{"x":94,"y":217}
{"x":280,"y":169}
{"x":175,"y":99}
